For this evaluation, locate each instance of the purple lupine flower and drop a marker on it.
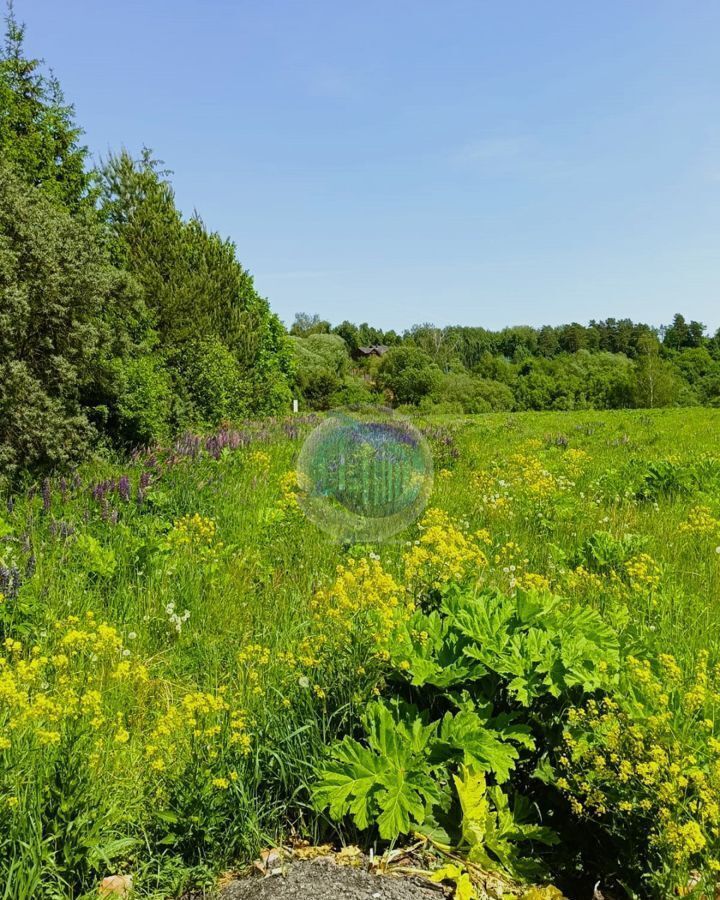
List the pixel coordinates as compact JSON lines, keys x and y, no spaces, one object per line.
{"x":124,"y":488}
{"x":291,"y":430}
{"x":114,"y":515}
{"x":10,"y":581}
{"x":46,"y":495}
{"x":187,"y":445}
{"x":213,"y":446}
{"x":30,"y":566}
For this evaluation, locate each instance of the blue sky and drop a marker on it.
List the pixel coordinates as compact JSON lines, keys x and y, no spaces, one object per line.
{"x":401,"y":161}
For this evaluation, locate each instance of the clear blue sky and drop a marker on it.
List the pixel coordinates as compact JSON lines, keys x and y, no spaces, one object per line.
{"x":400,"y":161}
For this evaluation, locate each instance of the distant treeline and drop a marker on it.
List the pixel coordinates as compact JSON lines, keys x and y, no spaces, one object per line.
{"x":610,"y":364}
{"x":121,"y":321}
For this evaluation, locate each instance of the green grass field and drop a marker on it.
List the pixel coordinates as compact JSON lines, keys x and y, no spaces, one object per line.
{"x":181,"y":649}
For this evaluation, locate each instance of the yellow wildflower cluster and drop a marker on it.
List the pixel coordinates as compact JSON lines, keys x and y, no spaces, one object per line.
{"x":492,"y":493}
{"x":443,"y":553}
{"x":195,"y":532}
{"x":575,"y":460}
{"x":282,"y":672}
{"x":532,"y":478}
{"x":643,"y":573}
{"x":84,"y":686}
{"x":194,"y":729}
{"x":702,"y":522}
{"x":532,"y":581}
{"x":509,"y":555}
{"x":260,"y":459}
{"x":74,"y":684}
{"x":649,"y":756}
{"x":288,"y":491}
{"x":583,"y":582}
{"x":363,"y":597}
{"x":524,"y":478}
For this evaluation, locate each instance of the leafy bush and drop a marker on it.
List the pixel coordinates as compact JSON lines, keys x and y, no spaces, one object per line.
{"x":408,"y":374}
{"x":143,"y":400}
{"x":211,"y":382}
{"x":602,"y":552}
{"x":472,"y":394}
{"x":488,"y":676}
{"x":664,"y":478}
{"x":321,"y":362}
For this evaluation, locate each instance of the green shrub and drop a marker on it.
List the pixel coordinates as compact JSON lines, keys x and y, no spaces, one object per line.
{"x":143,"y":404}
{"x":212,"y":382}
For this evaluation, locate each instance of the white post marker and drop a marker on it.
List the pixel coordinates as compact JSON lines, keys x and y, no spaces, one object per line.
{"x":295,"y":406}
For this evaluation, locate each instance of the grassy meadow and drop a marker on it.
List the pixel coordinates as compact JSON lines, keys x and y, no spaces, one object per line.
{"x":183,"y":651}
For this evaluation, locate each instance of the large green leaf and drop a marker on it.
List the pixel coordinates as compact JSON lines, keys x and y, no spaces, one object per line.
{"x":391,"y":781}
{"x":466,"y":736}
{"x":349,"y":780}
{"x":404,"y":801}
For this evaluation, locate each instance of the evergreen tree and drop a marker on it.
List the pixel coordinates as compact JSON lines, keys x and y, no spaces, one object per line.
{"x":61,"y":308}
{"x":38,"y":134}
{"x":204,"y":304}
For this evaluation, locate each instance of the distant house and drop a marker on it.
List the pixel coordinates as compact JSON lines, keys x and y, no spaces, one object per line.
{"x":375,"y":350}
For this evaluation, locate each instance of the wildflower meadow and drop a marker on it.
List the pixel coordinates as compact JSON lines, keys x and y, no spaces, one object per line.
{"x":527,"y":677}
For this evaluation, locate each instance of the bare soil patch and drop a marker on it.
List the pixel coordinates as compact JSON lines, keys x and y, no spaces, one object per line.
{"x":323,"y":879}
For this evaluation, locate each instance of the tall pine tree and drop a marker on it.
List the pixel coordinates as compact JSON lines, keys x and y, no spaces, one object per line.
{"x":38,"y":134}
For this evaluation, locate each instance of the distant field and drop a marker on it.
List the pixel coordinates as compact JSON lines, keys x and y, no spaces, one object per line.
{"x":180,"y":648}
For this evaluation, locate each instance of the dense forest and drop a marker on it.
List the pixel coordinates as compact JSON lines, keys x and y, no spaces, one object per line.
{"x":123,"y":322}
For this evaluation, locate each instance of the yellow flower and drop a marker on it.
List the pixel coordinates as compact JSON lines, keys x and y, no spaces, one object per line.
{"x":701,"y":521}
{"x":122,"y":736}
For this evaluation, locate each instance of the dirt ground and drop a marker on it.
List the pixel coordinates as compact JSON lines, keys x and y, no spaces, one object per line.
{"x":323,"y":879}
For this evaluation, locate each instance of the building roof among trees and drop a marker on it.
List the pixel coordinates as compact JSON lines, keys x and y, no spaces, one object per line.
{"x":374,"y":350}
